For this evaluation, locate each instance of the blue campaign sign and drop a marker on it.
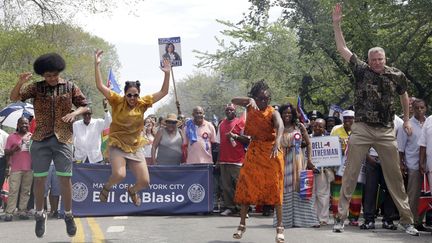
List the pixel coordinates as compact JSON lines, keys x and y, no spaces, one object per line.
{"x":173,"y":190}
{"x":170,"y":48}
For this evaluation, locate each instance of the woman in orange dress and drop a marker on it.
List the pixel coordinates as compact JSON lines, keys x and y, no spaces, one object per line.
{"x":261,"y":177}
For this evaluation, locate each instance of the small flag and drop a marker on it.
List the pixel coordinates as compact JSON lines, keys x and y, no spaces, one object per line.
{"x":303,"y":117}
{"x":112,"y":82}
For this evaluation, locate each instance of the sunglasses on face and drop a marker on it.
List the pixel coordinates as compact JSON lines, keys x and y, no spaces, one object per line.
{"x":171,"y":122}
{"x":132,"y":95}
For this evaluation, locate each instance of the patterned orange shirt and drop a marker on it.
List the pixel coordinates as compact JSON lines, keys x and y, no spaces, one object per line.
{"x":51,"y":103}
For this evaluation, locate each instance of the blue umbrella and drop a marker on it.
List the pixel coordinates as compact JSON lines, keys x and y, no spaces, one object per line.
{"x":9,"y":116}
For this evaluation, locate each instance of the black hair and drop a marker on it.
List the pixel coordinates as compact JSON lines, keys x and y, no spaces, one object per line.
{"x":260,"y":85}
{"x":285,"y":107}
{"x":168,"y":45}
{"x":50,"y":62}
{"x":129,"y":84}
{"x":417,"y":100}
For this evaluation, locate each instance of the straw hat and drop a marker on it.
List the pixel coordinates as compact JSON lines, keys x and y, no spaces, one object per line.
{"x":172,"y":118}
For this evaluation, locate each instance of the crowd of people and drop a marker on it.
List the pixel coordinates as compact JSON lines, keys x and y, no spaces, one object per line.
{"x":258,"y":156}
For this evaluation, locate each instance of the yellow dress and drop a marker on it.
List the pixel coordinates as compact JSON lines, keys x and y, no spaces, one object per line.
{"x":127,"y":123}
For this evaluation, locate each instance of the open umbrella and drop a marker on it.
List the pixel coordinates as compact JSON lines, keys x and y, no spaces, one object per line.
{"x":10,"y":115}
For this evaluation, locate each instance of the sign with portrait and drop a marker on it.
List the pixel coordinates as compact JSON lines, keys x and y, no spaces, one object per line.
{"x":169,"y":48}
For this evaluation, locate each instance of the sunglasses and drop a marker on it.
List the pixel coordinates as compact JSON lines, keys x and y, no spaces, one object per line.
{"x":171,"y":122}
{"x":132,"y":95}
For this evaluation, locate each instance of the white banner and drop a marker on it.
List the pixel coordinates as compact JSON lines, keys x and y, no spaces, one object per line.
{"x":326,"y":151}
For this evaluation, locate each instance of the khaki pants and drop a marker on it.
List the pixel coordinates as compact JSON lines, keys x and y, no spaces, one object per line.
{"x":322,"y":194}
{"x":229,"y":177}
{"x":413,"y":190}
{"x":19,"y":182}
{"x":382,"y":139}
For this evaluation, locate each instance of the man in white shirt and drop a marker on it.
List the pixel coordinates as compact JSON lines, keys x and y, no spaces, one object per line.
{"x":409,"y":158}
{"x":87,"y":137}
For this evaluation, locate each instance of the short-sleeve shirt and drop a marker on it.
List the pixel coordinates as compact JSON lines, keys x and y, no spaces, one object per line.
{"x":229,"y":154}
{"x":374,"y":93}
{"x":200,"y":152}
{"x":51,"y":103}
{"x":339,"y":130}
{"x":425,"y":140}
{"x":408,"y":144}
{"x":127,"y":122}
{"x":20,"y":160}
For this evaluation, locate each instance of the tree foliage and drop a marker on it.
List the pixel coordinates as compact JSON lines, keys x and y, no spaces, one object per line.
{"x":19,"y":49}
{"x":19,"y":13}
{"x":297,"y":53}
{"x":402,"y":28}
{"x":210,"y":91}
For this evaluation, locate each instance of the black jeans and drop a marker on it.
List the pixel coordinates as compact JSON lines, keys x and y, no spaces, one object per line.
{"x":375,"y":178}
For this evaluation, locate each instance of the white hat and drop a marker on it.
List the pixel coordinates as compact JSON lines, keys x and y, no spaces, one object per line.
{"x":349,"y":113}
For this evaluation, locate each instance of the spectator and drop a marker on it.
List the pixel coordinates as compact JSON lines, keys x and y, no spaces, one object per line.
{"x":167,"y":145}
{"x":343,"y":132}
{"x":375,"y":182}
{"x":87,"y":138}
{"x":20,"y":180}
{"x":409,"y":159}
{"x":3,"y":162}
{"x":200,"y":134}
{"x":331,"y":121}
{"x":297,"y":212}
{"x":52,"y":192}
{"x":149,"y":133}
{"x":53,"y":100}
{"x":322,"y":180}
{"x":231,"y":154}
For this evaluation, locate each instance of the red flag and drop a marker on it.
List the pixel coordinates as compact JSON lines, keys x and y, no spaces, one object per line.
{"x":425,"y":201}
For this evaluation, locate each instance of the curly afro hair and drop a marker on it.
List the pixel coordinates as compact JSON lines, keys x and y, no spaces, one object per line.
{"x":50,"y":62}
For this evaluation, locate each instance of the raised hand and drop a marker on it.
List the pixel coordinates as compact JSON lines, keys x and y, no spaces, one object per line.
{"x":166,"y":66}
{"x":98,"y":56}
{"x":337,"y":13}
{"x":25,"y":77}
{"x":253,"y":104}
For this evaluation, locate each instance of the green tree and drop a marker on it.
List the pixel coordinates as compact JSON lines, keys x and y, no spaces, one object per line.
{"x":402,"y":28}
{"x":20,"y":48}
{"x":19,"y":13}
{"x":269,"y":53}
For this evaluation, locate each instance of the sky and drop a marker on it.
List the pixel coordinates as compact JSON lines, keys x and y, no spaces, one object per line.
{"x":135,"y":36}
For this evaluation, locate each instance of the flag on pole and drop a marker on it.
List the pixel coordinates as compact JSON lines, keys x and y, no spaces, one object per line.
{"x":303,"y":117}
{"x":112,"y":83}
{"x":114,"y":86}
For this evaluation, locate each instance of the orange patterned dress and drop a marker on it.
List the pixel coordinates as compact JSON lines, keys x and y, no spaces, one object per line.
{"x":261,"y":177}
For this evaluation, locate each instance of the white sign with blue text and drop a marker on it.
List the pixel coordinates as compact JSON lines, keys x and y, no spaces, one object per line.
{"x":326,"y":151}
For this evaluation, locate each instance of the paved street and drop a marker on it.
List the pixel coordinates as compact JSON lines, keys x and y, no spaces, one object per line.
{"x":190,"y":229}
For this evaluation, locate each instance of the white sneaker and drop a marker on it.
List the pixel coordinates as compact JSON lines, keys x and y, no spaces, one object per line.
{"x":409,"y":229}
{"x":338,"y":226}
{"x":226,"y":212}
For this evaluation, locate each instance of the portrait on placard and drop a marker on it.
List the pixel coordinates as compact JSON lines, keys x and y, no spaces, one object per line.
{"x":170,"y":48}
